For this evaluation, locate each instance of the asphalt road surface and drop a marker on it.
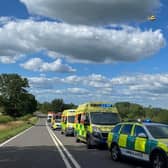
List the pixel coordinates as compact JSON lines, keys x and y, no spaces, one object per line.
{"x":40,"y":147}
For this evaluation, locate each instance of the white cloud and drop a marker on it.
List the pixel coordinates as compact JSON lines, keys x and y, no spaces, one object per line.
{"x":9,"y":59}
{"x":93,"y":11}
{"x":37,"y":64}
{"x":80,"y":43}
{"x":4,"y":20}
{"x":140,"y":88}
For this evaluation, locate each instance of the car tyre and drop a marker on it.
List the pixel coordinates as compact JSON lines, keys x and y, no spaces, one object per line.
{"x":159,"y":160}
{"x":66,"y":133}
{"x":89,"y":143}
{"x":115,"y":153}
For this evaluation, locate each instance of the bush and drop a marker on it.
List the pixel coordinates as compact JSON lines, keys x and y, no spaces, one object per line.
{"x":5,"y":119}
{"x":25,"y":118}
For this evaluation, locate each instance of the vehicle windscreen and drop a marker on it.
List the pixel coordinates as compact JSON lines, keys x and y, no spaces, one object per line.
{"x":71,"y":119}
{"x":104,"y":118}
{"x":158,"y":131}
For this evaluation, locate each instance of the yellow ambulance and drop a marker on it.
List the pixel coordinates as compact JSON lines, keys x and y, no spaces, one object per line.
{"x":67,"y":122}
{"x":93,"y":121}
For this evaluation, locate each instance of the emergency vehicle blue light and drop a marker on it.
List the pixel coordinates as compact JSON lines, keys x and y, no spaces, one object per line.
{"x":102,"y":105}
{"x":147,"y":121}
{"x":106,"y":105}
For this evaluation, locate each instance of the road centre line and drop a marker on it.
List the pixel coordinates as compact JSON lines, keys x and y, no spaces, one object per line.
{"x":75,"y":163}
{"x":67,"y":164}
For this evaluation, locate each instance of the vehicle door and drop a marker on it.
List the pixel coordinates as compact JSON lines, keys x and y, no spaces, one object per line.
{"x":124,"y":134}
{"x":141,"y":142}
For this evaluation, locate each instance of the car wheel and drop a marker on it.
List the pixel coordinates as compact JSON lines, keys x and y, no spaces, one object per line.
{"x":115,"y":153}
{"x":66,"y":133}
{"x":89,"y":143}
{"x":77,"y":140}
{"x":159,"y":160}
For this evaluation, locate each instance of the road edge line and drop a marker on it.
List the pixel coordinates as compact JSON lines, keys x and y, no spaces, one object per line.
{"x":16,"y":136}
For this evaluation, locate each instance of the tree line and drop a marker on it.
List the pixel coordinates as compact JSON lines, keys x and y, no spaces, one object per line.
{"x":132,"y":111}
{"x":15,"y":100}
{"x":56,"y":105}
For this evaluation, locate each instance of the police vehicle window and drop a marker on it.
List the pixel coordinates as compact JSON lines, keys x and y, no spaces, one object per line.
{"x":116,"y":129}
{"x":138,"y":130}
{"x":158,"y":131}
{"x":126,"y":129}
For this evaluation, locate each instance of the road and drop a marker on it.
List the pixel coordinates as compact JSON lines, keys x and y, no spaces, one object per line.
{"x":39,"y":147}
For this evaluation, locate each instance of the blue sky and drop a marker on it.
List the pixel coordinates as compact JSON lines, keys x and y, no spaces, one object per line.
{"x":92,"y":54}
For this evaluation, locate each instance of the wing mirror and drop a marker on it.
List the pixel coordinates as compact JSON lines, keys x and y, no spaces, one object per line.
{"x":142,"y":135}
{"x":86,"y":122}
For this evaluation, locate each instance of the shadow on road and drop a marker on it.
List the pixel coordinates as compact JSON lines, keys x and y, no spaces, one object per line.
{"x":30,"y":157}
{"x":98,"y":157}
{"x":44,"y":156}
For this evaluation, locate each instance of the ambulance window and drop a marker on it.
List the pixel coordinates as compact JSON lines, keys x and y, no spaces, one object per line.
{"x":79,"y":118}
{"x":126,"y":129}
{"x":87,"y":117}
{"x":116,"y":129}
{"x":65,"y":120}
{"x":138,"y":130}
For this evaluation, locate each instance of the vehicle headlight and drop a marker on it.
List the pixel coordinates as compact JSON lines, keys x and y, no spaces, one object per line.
{"x":95,"y":129}
{"x":96,"y":132}
{"x":70,"y":126}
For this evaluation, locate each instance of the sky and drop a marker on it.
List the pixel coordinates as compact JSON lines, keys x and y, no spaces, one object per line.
{"x":90,"y":50}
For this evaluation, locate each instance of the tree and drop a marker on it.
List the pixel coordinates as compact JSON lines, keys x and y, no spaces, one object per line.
{"x":16,"y":98}
{"x":45,"y":107}
{"x":70,"y":106}
{"x":57,"y":105}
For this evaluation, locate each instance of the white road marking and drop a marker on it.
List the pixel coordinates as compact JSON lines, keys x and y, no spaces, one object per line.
{"x":4,"y":143}
{"x":67,"y":164}
{"x":75,"y":163}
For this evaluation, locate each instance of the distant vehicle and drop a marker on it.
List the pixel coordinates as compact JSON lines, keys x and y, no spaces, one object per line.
{"x":50,"y":116}
{"x":93,"y":122}
{"x":146,"y":141}
{"x":67,"y":122}
{"x":152,"y":18}
{"x":56,"y":124}
{"x":56,"y":121}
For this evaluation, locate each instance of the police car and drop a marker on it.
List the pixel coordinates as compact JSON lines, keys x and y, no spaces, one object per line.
{"x":147,"y":141}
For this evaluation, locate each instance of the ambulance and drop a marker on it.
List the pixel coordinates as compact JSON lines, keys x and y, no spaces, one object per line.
{"x":56,"y":124}
{"x":93,"y":121}
{"x":67,"y":122}
{"x":50,"y":116}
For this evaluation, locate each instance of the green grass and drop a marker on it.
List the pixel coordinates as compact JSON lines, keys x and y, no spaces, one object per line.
{"x":8,"y":133}
{"x":5,"y":119}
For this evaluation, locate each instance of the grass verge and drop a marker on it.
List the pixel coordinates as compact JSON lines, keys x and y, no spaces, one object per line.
{"x":15,"y":129}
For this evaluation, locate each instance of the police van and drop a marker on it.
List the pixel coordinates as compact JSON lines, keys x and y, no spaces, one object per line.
{"x":93,"y":121}
{"x":147,"y":141}
{"x":67,"y":122}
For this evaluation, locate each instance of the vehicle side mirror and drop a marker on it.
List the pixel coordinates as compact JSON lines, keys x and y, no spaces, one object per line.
{"x":142,"y":135}
{"x":86,"y":122}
